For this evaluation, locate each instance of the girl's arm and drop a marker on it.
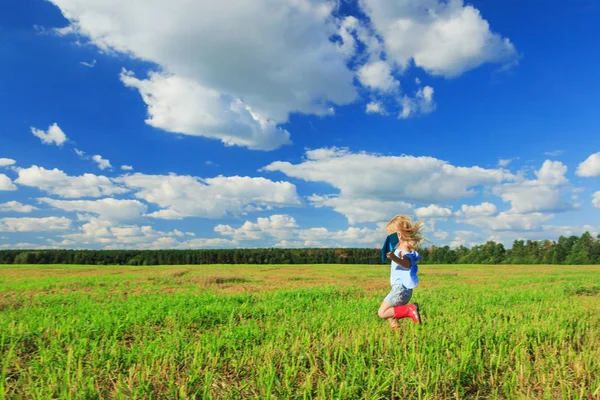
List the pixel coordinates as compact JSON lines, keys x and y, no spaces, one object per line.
{"x":402,"y":261}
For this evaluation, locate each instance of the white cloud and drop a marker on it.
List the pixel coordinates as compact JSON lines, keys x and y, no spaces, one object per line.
{"x":444,"y":38}
{"x":504,"y":162}
{"x":15,"y":206}
{"x":59,"y":183}
{"x":54,"y":135}
{"x":378,"y":76}
{"x":390,"y":178}
{"x":348,"y":45}
{"x":552,"y":173}
{"x":352,"y":31}
{"x":182,"y":196}
{"x":80,"y":153}
{"x":465,"y":238}
{"x":88,"y":64}
{"x":6,"y":183}
{"x":554,"y":231}
{"x":276,"y":56}
{"x":538,"y":195}
{"x":442,"y":235}
{"x":112,"y":236}
{"x":433,"y":211}
{"x":102,"y":163}
{"x":509,"y":221}
{"x":596,"y":199}
{"x":6,"y":162}
{"x":421,"y":104}
{"x":181,"y":106}
{"x":34,"y":224}
{"x":107,"y":208}
{"x":283,"y":231}
{"x":359,"y":210}
{"x":126,"y":167}
{"x":483,"y":209}
{"x":375,"y":107}
{"x":276,"y":226}
{"x":554,"y":153}
{"x":590,"y":167}
{"x":243,"y":69}
{"x":526,"y":198}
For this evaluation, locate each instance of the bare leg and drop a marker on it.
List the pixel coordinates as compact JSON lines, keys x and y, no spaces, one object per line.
{"x":386,"y":311}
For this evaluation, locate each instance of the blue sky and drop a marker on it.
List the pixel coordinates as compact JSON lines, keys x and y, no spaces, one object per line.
{"x":296,"y":123}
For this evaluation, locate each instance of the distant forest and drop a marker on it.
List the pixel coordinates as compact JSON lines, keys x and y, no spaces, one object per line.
{"x":584,"y":249}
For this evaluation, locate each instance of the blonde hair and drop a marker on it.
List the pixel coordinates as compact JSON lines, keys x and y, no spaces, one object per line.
{"x":408,"y":233}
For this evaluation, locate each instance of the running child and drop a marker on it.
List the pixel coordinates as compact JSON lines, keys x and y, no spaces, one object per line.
{"x":404,"y":268}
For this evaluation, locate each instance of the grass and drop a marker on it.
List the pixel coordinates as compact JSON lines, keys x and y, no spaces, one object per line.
{"x":500,"y":332}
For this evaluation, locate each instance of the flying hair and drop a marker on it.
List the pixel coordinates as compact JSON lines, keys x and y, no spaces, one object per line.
{"x":409,"y":234}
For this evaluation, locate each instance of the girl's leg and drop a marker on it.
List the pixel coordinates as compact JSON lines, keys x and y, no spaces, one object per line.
{"x":386,"y":311}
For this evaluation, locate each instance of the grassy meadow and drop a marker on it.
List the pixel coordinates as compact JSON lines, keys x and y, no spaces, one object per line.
{"x":297,"y":331}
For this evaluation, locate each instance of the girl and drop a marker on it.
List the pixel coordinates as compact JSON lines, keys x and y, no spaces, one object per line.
{"x":403,"y":277}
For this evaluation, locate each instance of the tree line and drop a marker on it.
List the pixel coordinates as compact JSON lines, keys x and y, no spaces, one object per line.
{"x":584,"y":249}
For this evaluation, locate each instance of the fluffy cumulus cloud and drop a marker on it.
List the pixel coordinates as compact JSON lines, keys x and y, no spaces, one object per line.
{"x":107,"y":209}
{"x":377,"y":178}
{"x":596,"y":199}
{"x":34,"y":224}
{"x":109,"y":235}
{"x":353,"y":31}
{"x":57,"y":182}
{"x":6,"y":162}
{"x":421,"y":104}
{"x":181,"y":196}
{"x":361,"y":210}
{"x":15,"y":206}
{"x":443,"y":38}
{"x":276,"y":226}
{"x":54,"y":135}
{"x":278,"y":230}
{"x":483,"y":209}
{"x":275,"y":55}
{"x":590,"y":167}
{"x":509,"y":221}
{"x":235,"y":72}
{"x":532,"y":204}
{"x":465,"y":238}
{"x":6,"y":183}
{"x":546,"y":193}
{"x":433,"y":211}
{"x":378,"y":75}
{"x":375,"y":107}
{"x":283,"y":231}
{"x":183,"y":106}
{"x":101,"y":162}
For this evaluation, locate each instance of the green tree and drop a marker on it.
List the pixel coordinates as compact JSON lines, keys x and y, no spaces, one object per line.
{"x":581,"y":250}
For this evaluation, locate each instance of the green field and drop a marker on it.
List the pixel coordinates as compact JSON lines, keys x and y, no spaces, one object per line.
{"x":297,"y":331}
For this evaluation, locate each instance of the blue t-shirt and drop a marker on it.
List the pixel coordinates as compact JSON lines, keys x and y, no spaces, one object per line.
{"x":406,"y":277}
